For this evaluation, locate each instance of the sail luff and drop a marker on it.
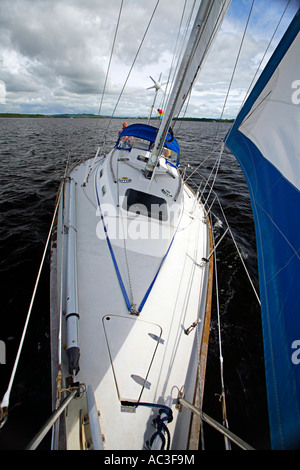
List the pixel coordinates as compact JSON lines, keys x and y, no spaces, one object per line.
{"x":208,"y":20}
{"x":265,"y":141}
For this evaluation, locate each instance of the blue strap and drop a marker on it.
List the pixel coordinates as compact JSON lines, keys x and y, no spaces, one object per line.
{"x":111,"y":250}
{"x":155,"y":277}
{"x":116,"y":265}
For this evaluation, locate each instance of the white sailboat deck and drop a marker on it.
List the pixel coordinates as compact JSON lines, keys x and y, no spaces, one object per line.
{"x":138,"y":283}
{"x":125,"y":357}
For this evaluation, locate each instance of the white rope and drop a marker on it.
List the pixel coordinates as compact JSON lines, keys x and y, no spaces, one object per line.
{"x":225,"y":422}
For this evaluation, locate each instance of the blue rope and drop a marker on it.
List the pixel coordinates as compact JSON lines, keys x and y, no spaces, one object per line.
{"x":161,"y":430}
{"x":160,"y":423}
{"x":111,"y":251}
{"x":152,"y":283}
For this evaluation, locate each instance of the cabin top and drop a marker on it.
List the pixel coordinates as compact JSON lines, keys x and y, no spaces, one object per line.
{"x":143,"y":136}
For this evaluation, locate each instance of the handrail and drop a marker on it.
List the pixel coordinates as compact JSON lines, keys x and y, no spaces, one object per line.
{"x":243,"y":445}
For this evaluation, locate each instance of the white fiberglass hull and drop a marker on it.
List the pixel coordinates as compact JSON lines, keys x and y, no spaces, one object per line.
{"x":129,"y":358}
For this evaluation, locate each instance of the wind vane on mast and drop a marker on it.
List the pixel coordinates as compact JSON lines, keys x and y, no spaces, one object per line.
{"x":157,"y":86}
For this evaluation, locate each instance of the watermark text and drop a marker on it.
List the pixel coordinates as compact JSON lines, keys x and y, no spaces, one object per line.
{"x":2,"y":352}
{"x":296,"y":354}
{"x":296,"y":93}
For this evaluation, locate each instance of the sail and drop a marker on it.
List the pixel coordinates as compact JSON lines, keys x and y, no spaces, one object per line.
{"x":265,"y":141}
{"x":207,"y":23}
{"x":208,"y":20}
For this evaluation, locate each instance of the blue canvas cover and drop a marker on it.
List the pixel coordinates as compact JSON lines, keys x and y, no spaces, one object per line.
{"x":265,"y":141}
{"x":146,"y":132}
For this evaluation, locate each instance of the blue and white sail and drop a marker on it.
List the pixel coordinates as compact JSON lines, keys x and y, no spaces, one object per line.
{"x":265,"y":141}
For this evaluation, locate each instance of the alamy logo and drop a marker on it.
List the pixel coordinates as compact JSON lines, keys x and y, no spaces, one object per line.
{"x":2,"y":352}
{"x":296,"y":94}
{"x":136,"y":225}
{"x":296,"y":354}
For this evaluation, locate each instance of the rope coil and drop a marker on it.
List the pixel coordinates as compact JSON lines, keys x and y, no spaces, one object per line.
{"x":160,"y":423}
{"x":162,"y":428}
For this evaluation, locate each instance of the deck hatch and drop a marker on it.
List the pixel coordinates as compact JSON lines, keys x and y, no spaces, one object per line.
{"x":146,"y":204}
{"x":131,"y":350}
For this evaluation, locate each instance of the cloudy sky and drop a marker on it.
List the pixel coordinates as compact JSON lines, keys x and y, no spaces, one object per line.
{"x":54,"y":54}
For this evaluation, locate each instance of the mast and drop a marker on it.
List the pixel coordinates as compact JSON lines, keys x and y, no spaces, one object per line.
{"x":208,"y":20}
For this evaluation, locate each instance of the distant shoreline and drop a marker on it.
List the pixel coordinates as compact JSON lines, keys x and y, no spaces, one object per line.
{"x":76,"y":116}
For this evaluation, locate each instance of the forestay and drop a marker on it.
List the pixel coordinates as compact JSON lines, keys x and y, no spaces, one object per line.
{"x":265,"y":141}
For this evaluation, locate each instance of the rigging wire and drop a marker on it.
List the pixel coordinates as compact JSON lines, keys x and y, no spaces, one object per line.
{"x":105,"y":84}
{"x":237,"y":59}
{"x":232,"y":236}
{"x":265,"y":53}
{"x":233,"y":72}
{"x":240,"y":254}
{"x":231,"y":79}
{"x":217,"y":164}
{"x":222,"y":396}
{"x":131,"y":68}
{"x":222,"y":143}
{"x":5,"y":401}
{"x":111,"y":55}
{"x":222,"y":113}
{"x":203,"y":161}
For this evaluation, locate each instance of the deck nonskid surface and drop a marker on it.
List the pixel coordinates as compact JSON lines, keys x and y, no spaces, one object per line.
{"x":119,"y":350}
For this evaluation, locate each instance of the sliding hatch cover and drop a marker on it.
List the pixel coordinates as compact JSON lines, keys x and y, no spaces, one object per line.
{"x":132,"y":344}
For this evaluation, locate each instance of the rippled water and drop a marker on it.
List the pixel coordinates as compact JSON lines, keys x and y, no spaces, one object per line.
{"x":33,"y":153}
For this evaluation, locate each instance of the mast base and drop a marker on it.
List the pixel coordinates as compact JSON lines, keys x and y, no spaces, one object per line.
{"x":148,"y":174}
